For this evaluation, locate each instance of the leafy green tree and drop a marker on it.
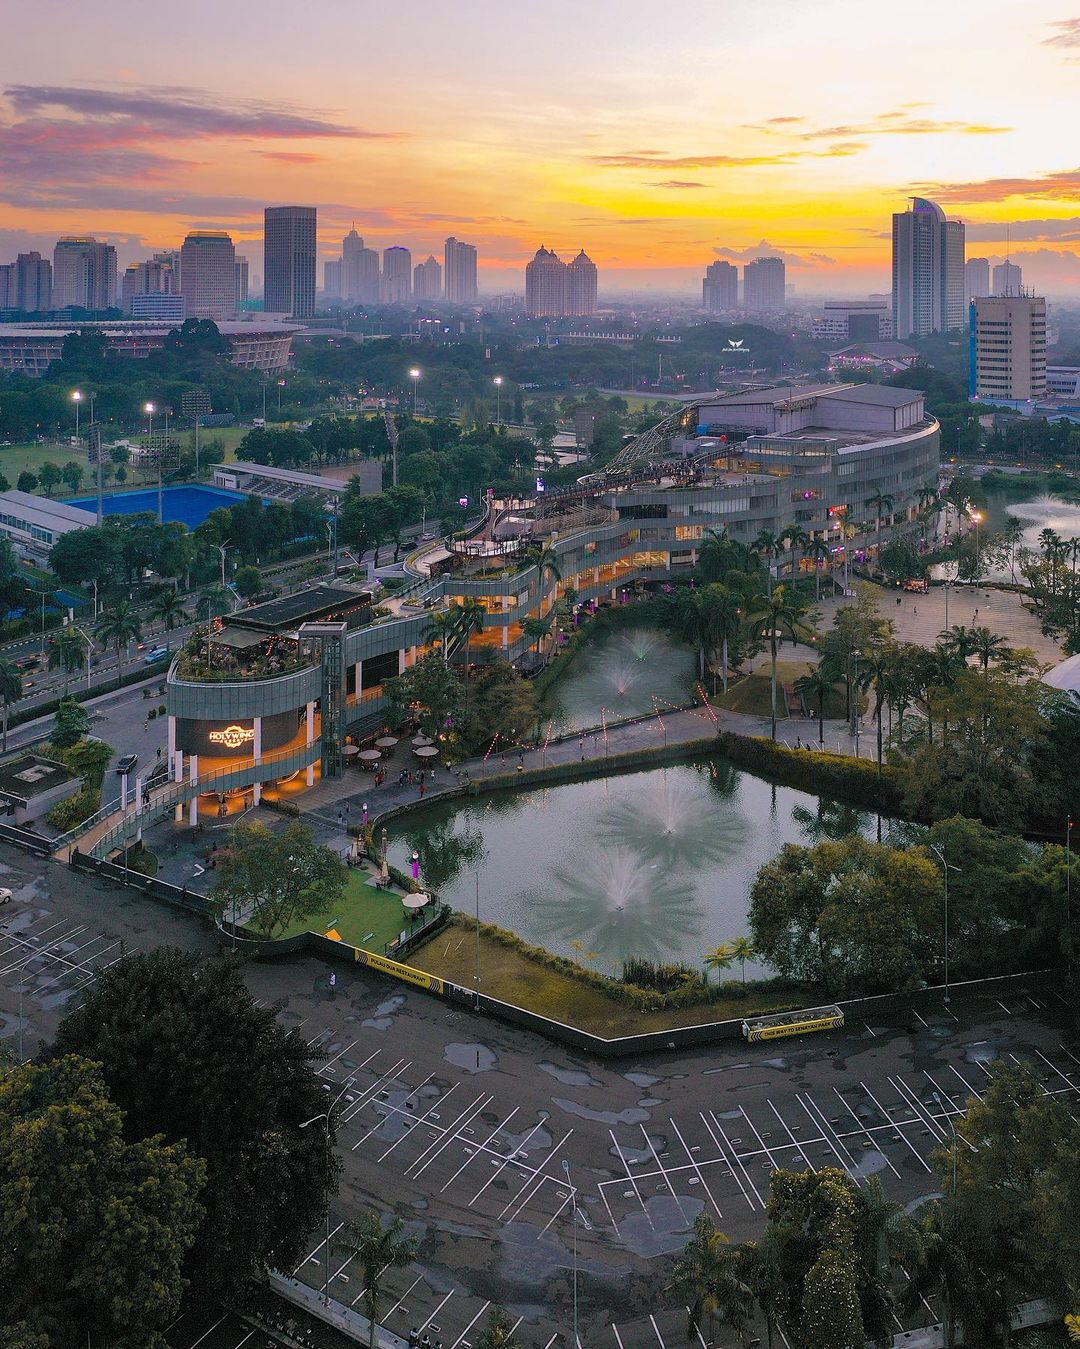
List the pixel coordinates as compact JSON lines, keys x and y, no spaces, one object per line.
{"x":429,"y":690}
{"x":248,"y":581}
{"x":67,"y":651}
{"x":50,"y":476}
{"x":273,"y":880}
{"x":11,"y":690}
{"x":375,"y":1249}
{"x":502,"y":703}
{"x":96,"y":1227}
{"x":849,"y":914}
{"x":72,"y":474}
{"x":722,"y":958}
{"x":816,"y":686}
{"x":783,"y":614}
{"x":186,"y":1053}
{"x":831,"y":1317}
{"x":71,"y":723}
{"x":26,"y":481}
{"x":87,"y":556}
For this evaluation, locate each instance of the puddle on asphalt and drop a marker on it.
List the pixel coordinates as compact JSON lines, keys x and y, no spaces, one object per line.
{"x":628,"y":1116}
{"x":383,"y":1018}
{"x":528,"y":1140}
{"x":984,"y":1052}
{"x":869,"y":1164}
{"x":570,"y":1077}
{"x":471,"y":1058}
{"x":638,"y":1156}
{"x":641,"y":1079}
{"x":650,"y":1100}
{"x":530,"y":1256}
{"x":663,"y":1227}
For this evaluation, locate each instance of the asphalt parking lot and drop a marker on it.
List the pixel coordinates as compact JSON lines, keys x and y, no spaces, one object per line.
{"x":466,"y":1129}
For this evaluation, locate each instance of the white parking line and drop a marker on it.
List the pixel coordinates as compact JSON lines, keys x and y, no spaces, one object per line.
{"x":389,"y":1110}
{"x":967,"y":1085}
{"x":921,"y":1112}
{"x":823,"y":1124}
{"x":663,"y":1172}
{"x":655,"y":1327}
{"x":633,"y":1182}
{"x":794,"y":1140}
{"x":898,"y":1127}
{"x":697,"y":1168}
{"x":440,"y":1145}
{"x":481,"y":1148}
{"x":862,"y":1126}
{"x":469,"y":1327}
{"x":317,"y":1249}
{"x":207,"y":1332}
{"x":398,"y":1303}
{"x":736,"y":1162}
{"x":498,"y":1172}
{"x":1056,"y":1069}
{"x":537,"y":1179}
{"x":435,"y":1313}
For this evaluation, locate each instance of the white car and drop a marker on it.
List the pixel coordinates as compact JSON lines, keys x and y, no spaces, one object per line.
{"x":6,"y":896}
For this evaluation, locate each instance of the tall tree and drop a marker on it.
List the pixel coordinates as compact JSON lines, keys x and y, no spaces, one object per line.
{"x":119,"y":624}
{"x":96,"y":1227}
{"x":186,"y":1053}
{"x":707,"y":1279}
{"x":782,"y":615}
{"x":11,"y":690}
{"x":272,"y":880}
{"x":375,"y":1249}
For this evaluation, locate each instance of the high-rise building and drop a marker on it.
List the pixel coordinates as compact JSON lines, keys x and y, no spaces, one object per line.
{"x":459,"y":271}
{"x":208,"y":275}
{"x":84,"y":274}
{"x":928,"y":271}
{"x":360,"y":278}
{"x":427,"y":279}
{"x":153,"y":277}
{"x":976,"y":278}
{"x":546,"y":286}
{"x":764,"y":289}
{"x":289,"y":260}
{"x":242,"y":273}
{"x":1008,"y":340}
{"x":581,"y":278}
{"x":32,"y":284}
{"x":396,"y":275}
{"x":333,"y":278}
{"x":1008,"y":279}
{"x":160,"y":307}
{"x":720,"y":288}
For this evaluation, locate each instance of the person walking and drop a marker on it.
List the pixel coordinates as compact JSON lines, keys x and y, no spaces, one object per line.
{"x":363,"y":809}
{"x":333,"y":983}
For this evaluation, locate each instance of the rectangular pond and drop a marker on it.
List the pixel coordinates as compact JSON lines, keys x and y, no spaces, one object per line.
{"x":656,"y":864}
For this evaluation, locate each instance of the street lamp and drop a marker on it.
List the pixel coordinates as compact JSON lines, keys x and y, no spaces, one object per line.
{"x":498,"y":400}
{"x":223,"y":548}
{"x":952,"y":1129}
{"x":76,"y":398}
{"x":42,"y":593}
{"x":326,"y":1117}
{"x":414,"y":375}
{"x":977,"y":517}
{"x":938,"y":849}
{"x":573,"y":1211}
{"x":149,"y":409}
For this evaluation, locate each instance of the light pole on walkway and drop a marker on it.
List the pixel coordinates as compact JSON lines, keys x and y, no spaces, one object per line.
{"x":938,"y":849}
{"x":326,"y":1116}
{"x":573,"y":1217}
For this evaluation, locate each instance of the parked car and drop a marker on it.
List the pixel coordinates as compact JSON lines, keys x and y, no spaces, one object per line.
{"x":6,"y":895}
{"x":126,"y":763}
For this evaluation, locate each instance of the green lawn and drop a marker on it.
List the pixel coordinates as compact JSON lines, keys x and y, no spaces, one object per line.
{"x":366,"y":917}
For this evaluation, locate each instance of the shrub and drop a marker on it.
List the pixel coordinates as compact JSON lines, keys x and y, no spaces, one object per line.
{"x":855,"y":780}
{"x":662,"y":978}
{"x":67,"y":814}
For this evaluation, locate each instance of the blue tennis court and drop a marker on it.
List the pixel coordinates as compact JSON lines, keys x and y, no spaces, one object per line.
{"x":190,"y":505}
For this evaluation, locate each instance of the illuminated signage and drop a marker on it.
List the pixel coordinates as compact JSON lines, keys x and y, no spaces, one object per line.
{"x":232,"y":737}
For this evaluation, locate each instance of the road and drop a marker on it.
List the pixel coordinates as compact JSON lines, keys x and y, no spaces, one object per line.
{"x":463,"y":1127}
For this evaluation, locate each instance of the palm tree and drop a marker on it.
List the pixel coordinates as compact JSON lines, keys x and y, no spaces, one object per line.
{"x":498,"y":1333}
{"x":443,"y":627}
{"x":815,"y":686}
{"x":689,"y":616}
{"x":537,"y":629}
{"x":119,"y":625}
{"x":1012,"y":535}
{"x":707,"y":1279}
{"x":761,"y":1268}
{"x":11,"y":690}
{"x":958,"y":642}
{"x":818,"y":549}
{"x":766,"y":545}
{"x":67,"y":651}
{"x":989,"y":646}
{"x":780,"y":614}
{"x":874,"y":672}
{"x":169,"y":607}
{"x":742,"y":950}
{"x":927,"y":496}
{"x":882,"y":503}
{"x":887,"y":1240}
{"x":376,"y":1249}
{"x":470,"y":618}
{"x":545,"y":559}
{"x":727,"y":619}
{"x":796,"y":538}
{"x":721,"y":959}
{"x":718,"y":554}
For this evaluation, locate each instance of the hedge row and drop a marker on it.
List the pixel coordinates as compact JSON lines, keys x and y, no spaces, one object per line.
{"x":641,"y":999}
{"x":854,"y":780}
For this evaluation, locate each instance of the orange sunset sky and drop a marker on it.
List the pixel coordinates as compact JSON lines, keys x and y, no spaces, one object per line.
{"x":658,"y":136}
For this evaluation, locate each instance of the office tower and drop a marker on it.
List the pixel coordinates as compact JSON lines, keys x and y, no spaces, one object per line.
{"x":7,"y":285}
{"x":929,"y":284}
{"x":289,"y":260}
{"x":333,"y":276}
{"x":1008,"y":278}
{"x":208,"y":275}
{"x":396,"y":275}
{"x":720,"y":288}
{"x":360,"y":279}
{"x":581,"y":277}
{"x":31,"y":289}
{"x":427,"y":279}
{"x":976,"y":277}
{"x":764,"y":289}
{"x":154,"y":277}
{"x":242,"y":281}
{"x":459,"y":271}
{"x":84,"y":274}
{"x":1008,"y":335}
{"x":546,"y":286}
{"x":159,"y":307}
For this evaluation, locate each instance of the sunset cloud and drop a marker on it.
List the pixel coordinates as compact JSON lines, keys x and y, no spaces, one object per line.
{"x":1066,"y":34}
{"x":896,"y":124}
{"x":764,"y":249}
{"x":1062,"y":185}
{"x":659,"y":159}
{"x":1065,"y":230}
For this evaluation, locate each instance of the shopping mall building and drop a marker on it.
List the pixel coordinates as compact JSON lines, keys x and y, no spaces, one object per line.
{"x":271,"y":702}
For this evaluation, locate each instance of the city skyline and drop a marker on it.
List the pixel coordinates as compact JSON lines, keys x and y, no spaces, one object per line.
{"x":647,"y":162}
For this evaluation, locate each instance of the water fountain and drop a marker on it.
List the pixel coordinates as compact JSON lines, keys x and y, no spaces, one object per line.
{"x":623,"y":674}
